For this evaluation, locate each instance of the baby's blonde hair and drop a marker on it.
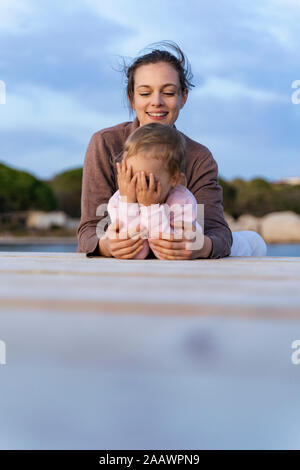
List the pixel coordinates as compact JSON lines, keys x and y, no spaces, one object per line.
{"x":158,"y":141}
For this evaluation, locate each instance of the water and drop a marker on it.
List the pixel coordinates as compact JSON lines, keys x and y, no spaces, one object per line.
{"x":35,"y":247}
{"x":284,"y":249}
{"x":287,"y":249}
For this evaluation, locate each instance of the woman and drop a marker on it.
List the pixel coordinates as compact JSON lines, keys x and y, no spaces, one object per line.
{"x":157,"y":89}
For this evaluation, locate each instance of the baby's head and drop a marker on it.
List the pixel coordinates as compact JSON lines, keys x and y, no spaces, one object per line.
{"x":158,"y":149}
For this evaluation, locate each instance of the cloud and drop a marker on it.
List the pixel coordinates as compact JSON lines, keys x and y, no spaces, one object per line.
{"x":46,"y":131}
{"x":279,"y":19}
{"x":58,"y":58}
{"x":39,"y":109}
{"x":16,"y":15}
{"x":67,"y":50}
{"x":228,"y":90}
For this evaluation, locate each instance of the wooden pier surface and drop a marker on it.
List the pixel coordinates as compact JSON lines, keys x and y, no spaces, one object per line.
{"x":105,"y":353}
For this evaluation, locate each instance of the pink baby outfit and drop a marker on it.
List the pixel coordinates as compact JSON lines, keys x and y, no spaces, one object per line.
{"x":180,"y":206}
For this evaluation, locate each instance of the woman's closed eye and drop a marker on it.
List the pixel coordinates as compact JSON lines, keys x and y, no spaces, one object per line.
{"x":168,"y":94}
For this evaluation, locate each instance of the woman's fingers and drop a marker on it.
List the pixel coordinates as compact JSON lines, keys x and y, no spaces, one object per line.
{"x":129,"y":255}
{"x":114,"y":233}
{"x":171,"y":252}
{"x":129,"y":251}
{"x":169,"y":244}
{"x":130,"y":239}
{"x":125,"y":246}
{"x":170,"y":249}
{"x":163,"y":253}
{"x":168,"y":236}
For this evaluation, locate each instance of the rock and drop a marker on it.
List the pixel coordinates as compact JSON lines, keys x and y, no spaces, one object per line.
{"x":280,"y":227}
{"x":244,"y":222}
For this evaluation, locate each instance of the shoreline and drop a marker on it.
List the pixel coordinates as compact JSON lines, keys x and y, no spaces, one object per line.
{"x":65,"y":240}
{"x":31,"y":240}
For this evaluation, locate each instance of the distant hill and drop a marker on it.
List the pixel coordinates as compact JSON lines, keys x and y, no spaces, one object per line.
{"x":66,"y":187}
{"x":20,"y":191}
{"x":259,"y":197}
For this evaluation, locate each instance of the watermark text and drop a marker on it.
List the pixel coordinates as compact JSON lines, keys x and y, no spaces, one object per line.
{"x":2,"y":352}
{"x":295,"y":357}
{"x":175,"y":222}
{"x":2,"y":92}
{"x":296,"y":94}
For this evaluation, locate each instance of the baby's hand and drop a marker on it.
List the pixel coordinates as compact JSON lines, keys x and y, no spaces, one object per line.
{"x":147,"y":195}
{"x":126,"y":182}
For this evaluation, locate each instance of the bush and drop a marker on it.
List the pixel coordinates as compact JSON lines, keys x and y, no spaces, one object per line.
{"x":259,"y":197}
{"x":20,"y":191}
{"x":67,"y":189}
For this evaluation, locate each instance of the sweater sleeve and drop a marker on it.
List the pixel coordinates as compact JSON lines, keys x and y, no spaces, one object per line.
{"x":97,"y":188}
{"x":204,"y":186}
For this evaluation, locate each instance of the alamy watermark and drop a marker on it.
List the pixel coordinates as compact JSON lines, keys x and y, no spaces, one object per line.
{"x":187,"y":220}
{"x":2,"y":352}
{"x":296,"y":94}
{"x":2,"y":92}
{"x":295,"y":357}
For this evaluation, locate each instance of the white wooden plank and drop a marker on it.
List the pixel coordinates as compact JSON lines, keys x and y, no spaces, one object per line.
{"x":105,"y":353}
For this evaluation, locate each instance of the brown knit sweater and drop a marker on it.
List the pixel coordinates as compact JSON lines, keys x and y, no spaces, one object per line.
{"x":100,"y":182}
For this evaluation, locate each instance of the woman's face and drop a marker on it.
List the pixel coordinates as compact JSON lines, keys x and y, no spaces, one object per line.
{"x":157,"y":94}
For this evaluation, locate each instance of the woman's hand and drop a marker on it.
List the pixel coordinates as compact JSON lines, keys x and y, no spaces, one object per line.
{"x":112,"y":245}
{"x":170,"y":247}
{"x":147,"y":195}
{"x":126,"y":182}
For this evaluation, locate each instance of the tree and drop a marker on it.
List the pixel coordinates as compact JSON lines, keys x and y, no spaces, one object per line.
{"x":229,"y":196}
{"x":20,"y":191}
{"x":67,"y":189}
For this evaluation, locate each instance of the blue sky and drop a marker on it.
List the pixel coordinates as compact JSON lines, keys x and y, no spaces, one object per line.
{"x":58,"y":60}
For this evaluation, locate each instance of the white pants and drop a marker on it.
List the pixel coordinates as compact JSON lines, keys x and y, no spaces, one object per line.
{"x":248,"y":243}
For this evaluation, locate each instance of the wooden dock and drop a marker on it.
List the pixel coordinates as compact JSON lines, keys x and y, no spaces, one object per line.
{"x":112,"y":354}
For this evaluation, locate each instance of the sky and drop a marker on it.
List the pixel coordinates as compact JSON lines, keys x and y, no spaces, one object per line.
{"x":60,"y":78}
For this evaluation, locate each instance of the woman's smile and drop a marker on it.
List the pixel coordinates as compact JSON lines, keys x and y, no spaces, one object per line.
{"x":158,"y":116}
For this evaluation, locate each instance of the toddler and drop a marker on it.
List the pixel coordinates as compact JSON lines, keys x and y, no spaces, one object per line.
{"x":152,"y":196}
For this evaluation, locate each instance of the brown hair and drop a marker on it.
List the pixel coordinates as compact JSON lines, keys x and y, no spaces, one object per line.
{"x":158,"y":141}
{"x":179,"y":61}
